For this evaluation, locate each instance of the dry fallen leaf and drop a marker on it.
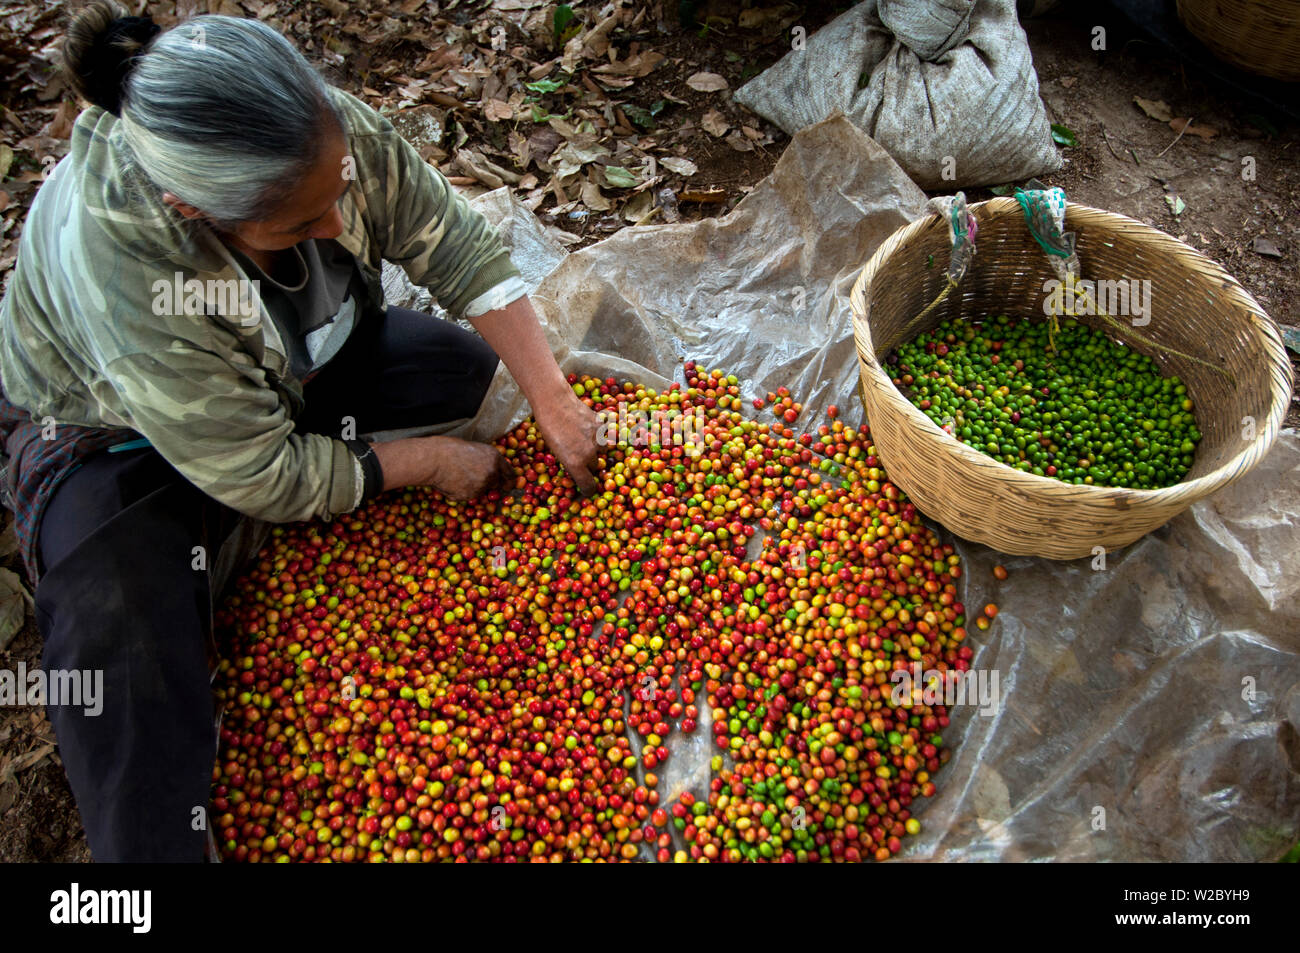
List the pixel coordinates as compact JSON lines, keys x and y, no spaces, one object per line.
{"x":592,"y":196}
{"x":571,"y":157}
{"x":561,"y":236}
{"x":1184,"y":125}
{"x":714,"y":124}
{"x":496,"y":110}
{"x":750,"y":19}
{"x":680,"y":166}
{"x":1262,"y":246}
{"x":572,"y":54}
{"x":640,"y":65}
{"x":508,"y":176}
{"x":8,"y":795}
{"x":542,"y":70}
{"x":14,"y":767}
{"x":707,"y":82}
{"x":8,"y":540}
{"x":13,"y":606}
{"x":475,"y":166}
{"x":566,"y":129}
{"x":637,"y":207}
{"x":1155,"y":108}
{"x":710,"y":196}
{"x":60,"y":127}
{"x":519,"y":150}
{"x":542,"y":142}
{"x":740,"y":142}
{"x":596,"y":41}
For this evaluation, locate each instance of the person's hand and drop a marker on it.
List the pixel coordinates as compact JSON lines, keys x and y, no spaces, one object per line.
{"x":462,"y":469}
{"x":568,"y":426}
{"x":569,"y":429}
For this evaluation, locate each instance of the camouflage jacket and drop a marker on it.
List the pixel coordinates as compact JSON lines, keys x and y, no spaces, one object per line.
{"x":91,"y":333}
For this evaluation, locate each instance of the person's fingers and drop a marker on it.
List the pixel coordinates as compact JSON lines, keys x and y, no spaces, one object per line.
{"x":592,"y":433}
{"x":582,"y":477}
{"x":505,"y":472}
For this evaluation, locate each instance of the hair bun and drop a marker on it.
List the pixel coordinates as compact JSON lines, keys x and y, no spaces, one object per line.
{"x":100,"y":50}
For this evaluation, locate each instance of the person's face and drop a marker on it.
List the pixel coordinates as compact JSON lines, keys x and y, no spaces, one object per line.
{"x":309,"y":210}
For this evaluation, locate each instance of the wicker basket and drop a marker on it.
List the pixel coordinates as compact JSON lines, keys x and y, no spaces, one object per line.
{"x":1196,"y":307}
{"x":1260,"y":36}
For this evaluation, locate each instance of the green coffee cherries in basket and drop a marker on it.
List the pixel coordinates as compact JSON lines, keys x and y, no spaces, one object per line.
{"x":1203,"y":327}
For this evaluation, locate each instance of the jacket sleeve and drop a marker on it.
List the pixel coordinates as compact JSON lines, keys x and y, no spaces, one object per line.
{"x":420,"y":222}
{"x":227,"y":432}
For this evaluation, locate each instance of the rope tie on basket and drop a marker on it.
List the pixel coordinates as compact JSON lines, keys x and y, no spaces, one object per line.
{"x":962,"y":228}
{"x":1045,"y":215}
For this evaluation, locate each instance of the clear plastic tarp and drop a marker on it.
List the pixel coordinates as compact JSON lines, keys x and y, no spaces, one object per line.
{"x":1146,"y":709}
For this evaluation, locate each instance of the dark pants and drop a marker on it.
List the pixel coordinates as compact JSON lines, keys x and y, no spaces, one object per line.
{"x":120,"y":594}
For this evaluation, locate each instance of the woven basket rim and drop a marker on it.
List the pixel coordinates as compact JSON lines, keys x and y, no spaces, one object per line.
{"x":1258,"y":36}
{"x":1263,"y":326}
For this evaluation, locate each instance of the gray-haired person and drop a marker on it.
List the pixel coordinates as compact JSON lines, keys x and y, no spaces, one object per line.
{"x":194,"y":319}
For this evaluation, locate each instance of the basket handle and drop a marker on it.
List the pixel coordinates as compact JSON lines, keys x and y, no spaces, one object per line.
{"x":1045,"y":216}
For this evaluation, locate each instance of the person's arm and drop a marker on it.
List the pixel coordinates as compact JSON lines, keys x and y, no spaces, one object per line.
{"x":217,"y":421}
{"x":229,"y":435}
{"x":568,"y":425}
{"x":415,"y":218}
{"x":446,"y":245}
{"x":461,"y":469}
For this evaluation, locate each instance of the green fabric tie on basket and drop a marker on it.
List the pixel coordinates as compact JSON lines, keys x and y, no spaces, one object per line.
{"x":1045,"y":216}
{"x":962,"y":229}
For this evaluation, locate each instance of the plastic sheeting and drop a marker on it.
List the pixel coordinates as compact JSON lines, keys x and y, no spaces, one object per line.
{"x":1147,"y":710}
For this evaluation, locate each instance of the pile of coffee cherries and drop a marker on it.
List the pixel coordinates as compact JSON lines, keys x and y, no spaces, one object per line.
{"x":501,"y":679}
{"x":1081,"y":408}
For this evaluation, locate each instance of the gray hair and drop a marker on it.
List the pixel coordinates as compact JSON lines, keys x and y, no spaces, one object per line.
{"x":219,"y":111}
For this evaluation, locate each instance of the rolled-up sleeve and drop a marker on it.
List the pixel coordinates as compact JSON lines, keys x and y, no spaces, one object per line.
{"x":427,"y":227}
